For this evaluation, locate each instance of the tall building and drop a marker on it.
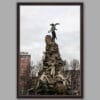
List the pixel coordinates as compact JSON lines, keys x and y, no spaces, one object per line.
{"x":24,"y":72}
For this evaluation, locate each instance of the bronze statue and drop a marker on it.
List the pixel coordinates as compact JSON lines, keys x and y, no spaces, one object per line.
{"x":52,"y":30}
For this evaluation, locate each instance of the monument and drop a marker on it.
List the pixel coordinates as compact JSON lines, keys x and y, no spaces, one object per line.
{"x":51,"y":78}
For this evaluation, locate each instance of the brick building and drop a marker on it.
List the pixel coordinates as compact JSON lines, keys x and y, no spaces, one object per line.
{"x":24,"y":72}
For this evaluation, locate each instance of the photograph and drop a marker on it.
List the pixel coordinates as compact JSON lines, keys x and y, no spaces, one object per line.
{"x":50,"y":50}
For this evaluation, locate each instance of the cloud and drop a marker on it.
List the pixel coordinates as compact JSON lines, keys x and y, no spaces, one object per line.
{"x":34,"y":26}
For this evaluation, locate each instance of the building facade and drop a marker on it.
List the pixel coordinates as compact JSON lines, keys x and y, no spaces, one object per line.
{"x":24,"y":72}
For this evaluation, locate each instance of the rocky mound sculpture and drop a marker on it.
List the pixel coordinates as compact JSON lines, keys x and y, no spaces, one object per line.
{"x":52,"y":62}
{"x":51,"y":78}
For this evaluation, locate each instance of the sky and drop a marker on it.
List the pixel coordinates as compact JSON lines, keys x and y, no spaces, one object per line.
{"x":34,"y":25}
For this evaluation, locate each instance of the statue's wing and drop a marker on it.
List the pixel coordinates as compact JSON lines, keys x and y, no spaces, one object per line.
{"x":57,"y":24}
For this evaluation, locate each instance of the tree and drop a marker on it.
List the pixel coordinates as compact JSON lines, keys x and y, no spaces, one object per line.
{"x":66,"y":65}
{"x":74,"y":64}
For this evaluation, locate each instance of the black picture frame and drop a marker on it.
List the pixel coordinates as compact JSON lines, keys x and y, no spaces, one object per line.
{"x":81,"y":45}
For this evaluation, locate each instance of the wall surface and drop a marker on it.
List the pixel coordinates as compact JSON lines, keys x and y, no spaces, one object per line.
{"x":8,"y":48}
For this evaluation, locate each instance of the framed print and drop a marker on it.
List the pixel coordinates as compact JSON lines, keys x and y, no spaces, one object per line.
{"x":50,"y":50}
